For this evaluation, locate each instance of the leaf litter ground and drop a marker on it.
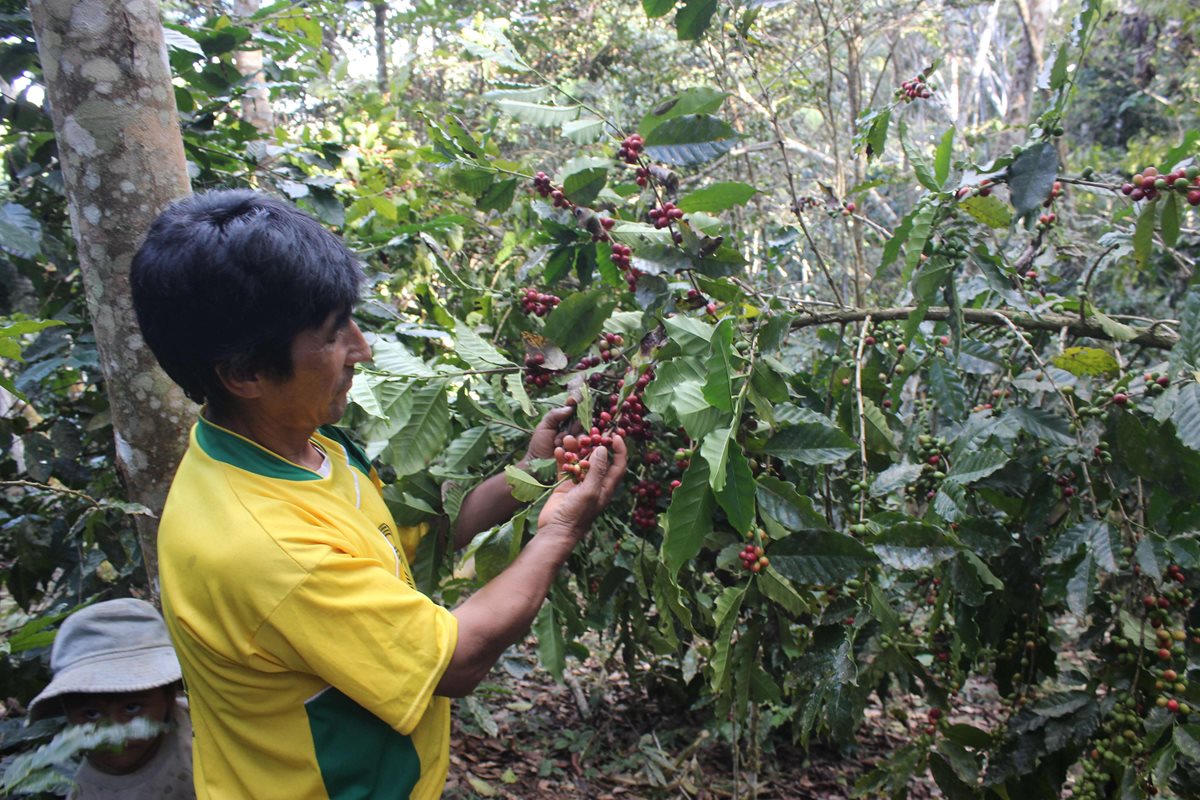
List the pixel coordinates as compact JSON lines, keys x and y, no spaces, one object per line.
{"x":597,"y":736}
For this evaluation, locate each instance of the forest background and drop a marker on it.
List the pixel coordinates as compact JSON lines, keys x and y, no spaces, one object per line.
{"x":894,"y":300}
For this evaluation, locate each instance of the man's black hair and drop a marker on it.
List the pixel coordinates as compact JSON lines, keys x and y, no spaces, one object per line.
{"x":230,"y":278}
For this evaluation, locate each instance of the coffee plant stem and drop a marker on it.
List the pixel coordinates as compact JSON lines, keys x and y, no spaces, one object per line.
{"x":46,"y":487}
{"x":862,"y":415}
{"x":1147,"y":337}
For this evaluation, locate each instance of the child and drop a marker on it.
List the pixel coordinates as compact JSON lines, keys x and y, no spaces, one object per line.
{"x":113,"y":663}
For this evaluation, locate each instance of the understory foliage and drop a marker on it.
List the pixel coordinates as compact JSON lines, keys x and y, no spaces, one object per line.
{"x":934,"y":420}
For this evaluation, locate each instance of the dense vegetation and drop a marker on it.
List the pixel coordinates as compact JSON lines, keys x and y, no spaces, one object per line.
{"x":893,"y":302}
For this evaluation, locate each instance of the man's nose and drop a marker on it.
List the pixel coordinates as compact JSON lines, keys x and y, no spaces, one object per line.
{"x":359,"y":349}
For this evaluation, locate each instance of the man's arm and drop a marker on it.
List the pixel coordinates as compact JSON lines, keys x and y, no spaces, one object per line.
{"x":491,"y":502}
{"x":500,"y":613}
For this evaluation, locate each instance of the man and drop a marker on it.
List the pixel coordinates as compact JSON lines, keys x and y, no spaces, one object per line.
{"x":314,"y":667}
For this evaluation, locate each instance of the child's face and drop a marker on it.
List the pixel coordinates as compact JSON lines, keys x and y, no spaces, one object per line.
{"x":100,"y":709}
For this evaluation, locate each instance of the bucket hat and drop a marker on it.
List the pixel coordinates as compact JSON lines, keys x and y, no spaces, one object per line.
{"x":110,"y":647}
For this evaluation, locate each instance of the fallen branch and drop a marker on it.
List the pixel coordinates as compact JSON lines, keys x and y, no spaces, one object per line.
{"x":1156,"y":335}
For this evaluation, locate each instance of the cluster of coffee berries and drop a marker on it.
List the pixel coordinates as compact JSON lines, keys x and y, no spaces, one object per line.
{"x":631,"y":149}
{"x":1114,"y":751}
{"x":804,"y":203}
{"x":983,"y":190}
{"x":1049,"y":218}
{"x":632,"y":410}
{"x":849,"y":208}
{"x":754,"y":558}
{"x":1156,"y":382}
{"x":1105,"y":398}
{"x":542,"y":185}
{"x":1149,"y":184}
{"x":538,"y":303}
{"x":694,"y":299}
{"x":930,"y":586}
{"x":587,"y":362}
{"x":954,"y":245}
{"x":915,"y":89}
{"x":607,"y":342}
{"x":645,"y":509}
{"x":642,"y":176}
{"x":933,"y":716}
{"x":940,"y":642}
{"x":622,"y":258}
{"x":1055,"y":192}
{"x":535,"y":373}
{"x":663,"y":215}
{"x":932,"y":452}
{"x":572,"y":455}
{"x":1066,"y":482}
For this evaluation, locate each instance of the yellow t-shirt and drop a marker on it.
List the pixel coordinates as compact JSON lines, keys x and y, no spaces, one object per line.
{"x":309,"y":656}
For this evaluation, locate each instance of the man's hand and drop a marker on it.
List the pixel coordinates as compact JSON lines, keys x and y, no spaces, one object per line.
{"x":573,"y":507}
{"x":546,"y":436}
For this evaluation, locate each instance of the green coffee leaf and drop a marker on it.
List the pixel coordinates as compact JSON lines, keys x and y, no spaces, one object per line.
{"x":736,"y":496}
{"x":717,"y":197}
{"x":820,"y":558}
{"x":690,"y":139}
{"x":524,"y":486}
{"x":575,"y":322}
{"x":1031,"y":177}
{"x":811,"y":443}
{"x":689,"y":517}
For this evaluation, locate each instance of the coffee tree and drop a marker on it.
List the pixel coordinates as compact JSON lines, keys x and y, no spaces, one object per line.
{"x":918,"y":429}
{"x":988,"y":480}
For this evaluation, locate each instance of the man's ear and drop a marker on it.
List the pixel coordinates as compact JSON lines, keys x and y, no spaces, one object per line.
{"x":242,"y":383}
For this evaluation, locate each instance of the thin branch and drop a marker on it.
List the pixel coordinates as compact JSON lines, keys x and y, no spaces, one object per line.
{"x":1156,"y":336}
{"x":862,"y":414}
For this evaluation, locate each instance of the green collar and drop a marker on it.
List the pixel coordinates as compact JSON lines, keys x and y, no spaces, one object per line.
{"x":222,"y":444}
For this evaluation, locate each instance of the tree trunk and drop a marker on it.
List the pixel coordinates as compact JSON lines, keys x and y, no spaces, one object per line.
{"x":1034,"y":16}
{"x":256,"y":100}
{"x":113,"y":106}
{"x":381,"y":47}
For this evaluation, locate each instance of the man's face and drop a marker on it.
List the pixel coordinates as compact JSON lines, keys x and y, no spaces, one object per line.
{"x":323,"y":360}
{"x":102,"y":709}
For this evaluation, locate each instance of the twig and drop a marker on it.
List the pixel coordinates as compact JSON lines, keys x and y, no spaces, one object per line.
{"x":1163,"y":339}
{"x":862,"y":414}
{"x":46,"y":487}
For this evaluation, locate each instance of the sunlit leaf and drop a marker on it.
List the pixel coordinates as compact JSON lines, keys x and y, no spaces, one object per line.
{"x":717,"y":197}
{"x":1086,"y":361}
